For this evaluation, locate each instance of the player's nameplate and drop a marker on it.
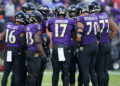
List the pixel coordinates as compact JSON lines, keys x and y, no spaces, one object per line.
{"x":9,"y":56}
{"x":61,"y":55}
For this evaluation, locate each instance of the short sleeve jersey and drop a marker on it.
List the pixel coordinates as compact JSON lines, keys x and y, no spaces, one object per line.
{"x":61,"y":30}
{"x":13,"y":32}
{"x":31,"y":29}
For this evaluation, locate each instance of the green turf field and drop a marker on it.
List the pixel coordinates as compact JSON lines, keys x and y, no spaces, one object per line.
{"x":114,"y":79}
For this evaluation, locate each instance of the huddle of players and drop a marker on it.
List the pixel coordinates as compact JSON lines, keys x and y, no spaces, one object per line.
{"x":25,"y":40}
{"x":83,"y":39}
{"x":93,"y":45}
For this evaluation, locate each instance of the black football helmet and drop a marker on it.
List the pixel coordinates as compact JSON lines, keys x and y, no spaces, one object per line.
{"x":27,"y":15}
{"x":55,"y":11}
{"x":20,"y":17}
{"x":35,"y":17}
{"x":94,"y":7}
{"x":28,"y":6}
{"x":81,"y":8}
{"x":59,"y":9}
{"x":72,"y":8}
{"x":45,"y":40}
{"x":44,"y":10}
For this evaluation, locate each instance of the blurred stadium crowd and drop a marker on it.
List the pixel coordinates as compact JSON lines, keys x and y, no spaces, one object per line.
{"x":9,"y":7}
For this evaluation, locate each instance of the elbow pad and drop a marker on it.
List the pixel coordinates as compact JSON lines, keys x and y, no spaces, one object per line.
{"x":80,"y":28}
{"x":37,"y":43}
{"x":80,"y":32}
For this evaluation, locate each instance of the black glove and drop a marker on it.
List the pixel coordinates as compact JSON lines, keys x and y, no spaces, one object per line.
{"x":45,"y":58}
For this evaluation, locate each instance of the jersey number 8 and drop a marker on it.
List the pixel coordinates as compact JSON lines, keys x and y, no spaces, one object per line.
{"x":29,"y":37}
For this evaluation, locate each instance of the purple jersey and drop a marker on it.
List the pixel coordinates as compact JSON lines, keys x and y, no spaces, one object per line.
{"x":13,"y":32}
{"x":73,"y":42}
{"x":44,"y":26}
{"x":104,"y":26}
{"x":90,"y":23}
{"x":31,"y":29}
{"x":61,"y":30}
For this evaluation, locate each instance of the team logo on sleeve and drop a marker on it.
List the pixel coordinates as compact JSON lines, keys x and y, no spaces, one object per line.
{"x":39,"y":27}
{"x":47,"y":24}
{"x":78,"y":19}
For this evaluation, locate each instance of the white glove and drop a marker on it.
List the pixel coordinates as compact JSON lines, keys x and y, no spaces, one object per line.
{"x":51,"y":50}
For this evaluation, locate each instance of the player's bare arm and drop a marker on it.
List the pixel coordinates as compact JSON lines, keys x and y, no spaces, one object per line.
{"x":50,"y":35}
{"x":98,"y":34}
{"x":73,"y":33}
{"x":80,"y":27}
{"x":38,"y":43}
{"x":2,"y":35}
{"x":113,"y":28}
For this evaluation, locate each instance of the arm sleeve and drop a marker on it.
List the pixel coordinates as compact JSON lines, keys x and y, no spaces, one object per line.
{"x":73,"y":26}
{"x":23,"y":42}
{"x":48,"y":26}
{"x":23,"y":38}
{"x":22,"y":29}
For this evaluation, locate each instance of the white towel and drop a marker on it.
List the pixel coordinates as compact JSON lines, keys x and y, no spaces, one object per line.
{"x":61,"y":55}
{"x":9,"y":56}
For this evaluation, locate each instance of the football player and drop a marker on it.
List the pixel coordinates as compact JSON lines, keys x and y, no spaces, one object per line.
{"x":72,"y":11}
{"x":14,"y":34}
{"x":35,"y":53}
{"x":87,"y":30}
{"x":28,"y":7}
{"x":73,"y":61}
{"x":45,"y":11}
{"x":106,"y":25}
{"x":60,"y":29}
